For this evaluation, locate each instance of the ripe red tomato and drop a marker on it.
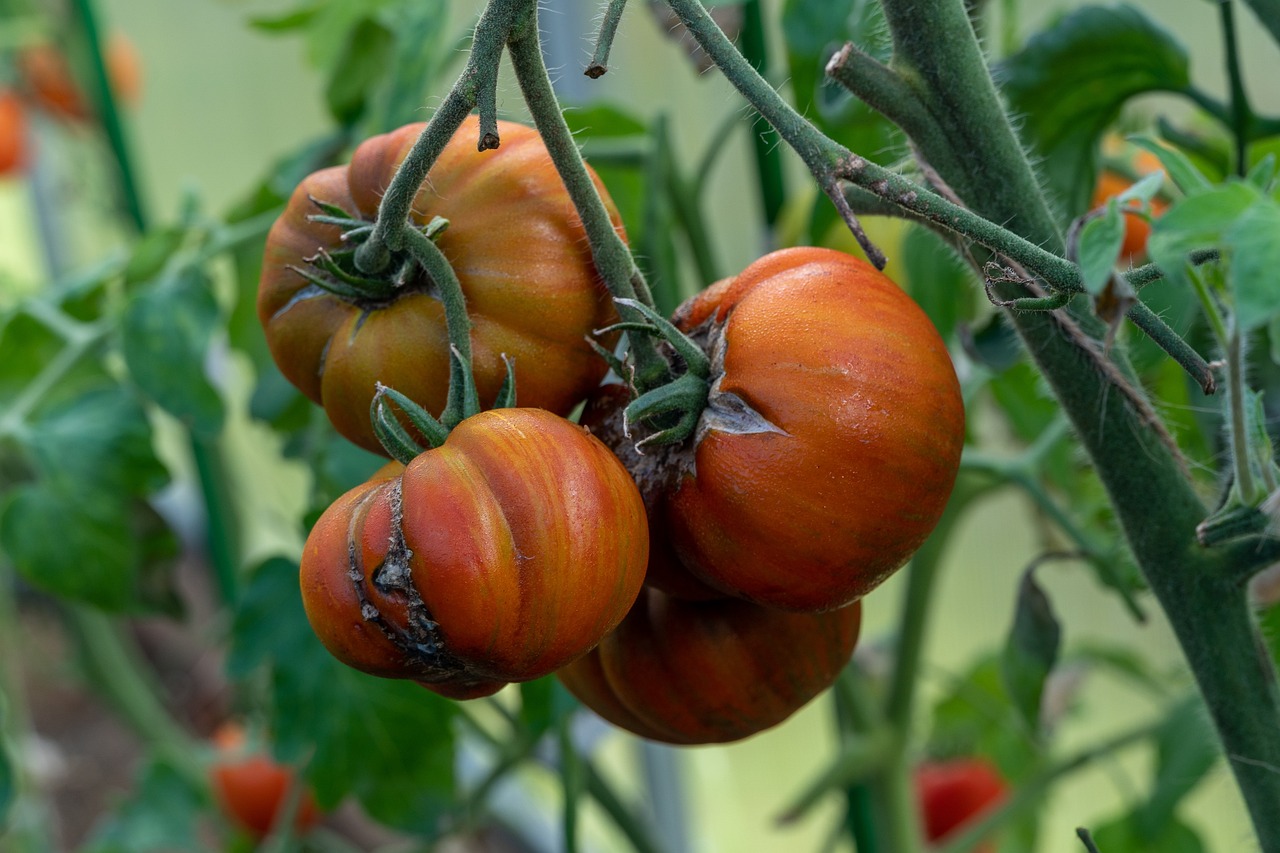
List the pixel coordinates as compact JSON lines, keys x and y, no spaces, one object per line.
{"x":48,"y":78}
{"x":689,"y":672}
{"x":251,"y":788}
{"x":854,"y":445}
{"x":953,"y":793}
{"x":519,"y":251}
{"x":500,"y":556}
{"x":13,"y":133}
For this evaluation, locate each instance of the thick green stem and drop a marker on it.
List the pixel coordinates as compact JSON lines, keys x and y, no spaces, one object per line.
{"x":1144,"y":476}
{"x":1239,"y":429}
{"x":764,"y":144}
{"x":449,"y":289}
{"x":612,"y":258}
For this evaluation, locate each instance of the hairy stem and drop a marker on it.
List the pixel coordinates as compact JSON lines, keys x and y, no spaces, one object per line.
{"x":604,"y":42}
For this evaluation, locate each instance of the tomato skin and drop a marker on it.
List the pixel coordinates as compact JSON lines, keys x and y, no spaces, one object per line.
{"x":251,"y":788}
{"x":527,"y":543}
{"x":953,"y":793}
{"x":13,"y":133}
{"x":690,"y":672}
{"x":1136,"y":229}
{"x":869,"y":428}
{"x":521,"y":256}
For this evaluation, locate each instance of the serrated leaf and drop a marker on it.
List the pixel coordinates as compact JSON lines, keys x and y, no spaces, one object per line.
{"x":1031,"y":650}
{"x":1182,"y":171}
{"x":1069,"y":82}
{"x":1186,"y":749}
{"x":362,"y":63}
{"x":161,"y":815}
{"x":1101,"y":239}
{"x":1198,"y":222}
{"x":1253,"y":243}
{"x":166,"y":332}
{"x":390,"y":743}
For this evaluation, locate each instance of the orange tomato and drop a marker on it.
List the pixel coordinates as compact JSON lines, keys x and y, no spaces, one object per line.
{"x":1136,"y":228}
{"x":49,"y":81}
{"x":13,"y":132}
{"x":251,"y":787}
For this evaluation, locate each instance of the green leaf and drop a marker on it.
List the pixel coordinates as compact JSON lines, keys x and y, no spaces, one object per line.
{"x":1198,"y":222}
{"x":604,"y":121}
{"x":390,"y":743}
{"x":1101,"y":239}
{"x":361,"y":65}
{"x":995,"y":345}
{"x":1031,"y":650}
{"x":161,"y":815}
{"x":421,"y":56}
{"x":939,"y":281}
{"x":151,"y":253}
{"x":1263,"y":172}
{"x":1186,"y":749}
{"x":1253,"y":242}
{"x":165,"y":333}
{"x":1069,"y":83}
{"x":295,"y":19}
{"x":8,"y":783}
{"x":1121,"y":661}
{"x":1182,"y":171}
{"x":1021,"y":393}
{"x":1122,"y":836}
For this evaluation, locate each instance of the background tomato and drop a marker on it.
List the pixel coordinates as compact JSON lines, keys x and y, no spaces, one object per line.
{"x":954,"y":793}
{"x":1136,"y":228}
{"x":251,"y":787}
{"x":687,"y":672}
{"x":500,"y":556}
{"x":13,"y":132}
{"x":518,"y":249}
{"x":857,"y":444}
{"x":48,"y":77}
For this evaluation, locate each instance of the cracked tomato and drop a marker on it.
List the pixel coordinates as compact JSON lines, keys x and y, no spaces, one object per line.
{"x":501,"y":555}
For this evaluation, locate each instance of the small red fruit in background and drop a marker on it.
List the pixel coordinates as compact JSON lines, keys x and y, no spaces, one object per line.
{"x":1136,"y":228}
{"x":251,"y":788}
{"x":48,"y":79}
{"x":13,"y":132}
{"x":954,"y":793}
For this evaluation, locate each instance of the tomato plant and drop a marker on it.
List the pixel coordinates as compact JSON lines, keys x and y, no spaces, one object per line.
{"x":500,"y":556}
{"x":251,"y":788}
{"x":516,"y":245}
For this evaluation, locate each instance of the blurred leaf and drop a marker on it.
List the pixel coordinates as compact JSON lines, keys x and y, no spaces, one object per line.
{"x":938,"y":279}
{"x":1121,"y":836}
{"x":161,"y":815}
{"x":151,"y":253}
{"x":976,"y":717}
{"x":294,"y":19}
{"x":1186,"y":749}
{"x":1145,"y":189}
{"x":364,"y":60}
{"x":604,"y":121}
{"x":537,"y":700}
{"x":1122,"y":661}
{"x":165,"y":333}
{"x":1031,"y":650}
{"x":418,"y":60}
{"x":1069,"y":82}
{"x":388,"y":742}
{"x":1022,"y":396}
{"x":1253,"y":241}
{"x":1263,"y":172}
{"x":1182,"y":171}
{"x":8,"y":782}
{"x":1100,"y":241}
{"x":995,"y":345}
{"x":814,"y":30}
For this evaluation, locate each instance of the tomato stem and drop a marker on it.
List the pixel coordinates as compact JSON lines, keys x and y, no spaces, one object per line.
{"x":604,"y":41}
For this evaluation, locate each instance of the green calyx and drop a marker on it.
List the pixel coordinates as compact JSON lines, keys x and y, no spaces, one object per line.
{"x":339,"y":272}
{"x":672,"y":409}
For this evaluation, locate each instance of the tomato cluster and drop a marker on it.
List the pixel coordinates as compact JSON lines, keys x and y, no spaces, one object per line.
{"x":829,"y":429}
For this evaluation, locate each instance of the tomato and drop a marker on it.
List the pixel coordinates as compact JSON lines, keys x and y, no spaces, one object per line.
{"x":500,"y":556}
{"x":1136,"y":228}
{"x":251,"y":788}
{"x":519,"y":251}
{"x":688,"y":672}
{"x":954,"y":793}
{"x":49,"y":80}
{"x":832,"y":436}
{"x":13,"y":133}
